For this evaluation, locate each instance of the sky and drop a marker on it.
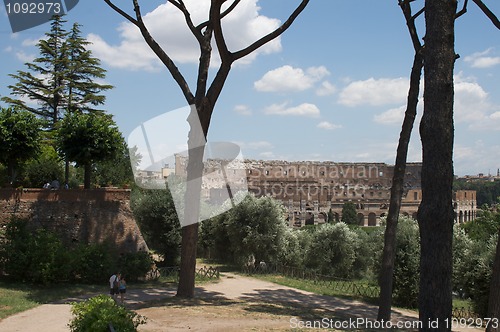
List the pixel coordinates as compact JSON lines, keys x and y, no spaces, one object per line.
{"x":333,"y":87}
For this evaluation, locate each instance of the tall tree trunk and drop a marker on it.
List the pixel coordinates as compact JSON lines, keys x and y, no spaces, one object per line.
{"x":196,"y":149}
{"x":435,"y":214}
{"x":11,"y":172}
{"x":66,"y":171}
{"x":86,"y":176}
{"x":494,"y":301}
{"x":388,"y":258}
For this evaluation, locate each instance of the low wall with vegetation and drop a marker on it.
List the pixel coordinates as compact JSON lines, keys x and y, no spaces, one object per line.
{"x":77,"y":216}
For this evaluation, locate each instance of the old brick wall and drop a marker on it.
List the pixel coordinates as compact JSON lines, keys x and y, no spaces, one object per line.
{"x":78,"y":216}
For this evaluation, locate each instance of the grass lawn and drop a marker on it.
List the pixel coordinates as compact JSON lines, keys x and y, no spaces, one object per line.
{"x":308,"y":285}
{"x":17,"y":297}
{"x":326,"y":290}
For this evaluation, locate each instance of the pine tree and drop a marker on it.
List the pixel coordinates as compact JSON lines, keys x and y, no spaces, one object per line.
{"x":43,"y":82}
{"x":62,"y":78}
{"x":83,"y":69}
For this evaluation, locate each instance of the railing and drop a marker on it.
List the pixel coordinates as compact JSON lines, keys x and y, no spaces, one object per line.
{"x":204,"y":273}
{"x":344,"y":286}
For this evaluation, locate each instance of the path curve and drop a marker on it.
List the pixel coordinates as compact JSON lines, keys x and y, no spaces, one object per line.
{"x":240,"y":296}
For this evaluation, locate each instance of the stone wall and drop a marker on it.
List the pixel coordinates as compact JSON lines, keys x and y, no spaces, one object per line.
{"x":78,"y":216}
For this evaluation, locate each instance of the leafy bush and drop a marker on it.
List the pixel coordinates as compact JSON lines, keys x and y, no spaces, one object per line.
{"x":407,"y":264}
{"x":33,"y":256}
{"x":472,"y":273}
{"x":91,"y":262}
{"x":155,"y":213}
{"x":333,"y":250}
{"x":97,"y":313}
{"x":135,"y":265}
{"x":44,"y":168}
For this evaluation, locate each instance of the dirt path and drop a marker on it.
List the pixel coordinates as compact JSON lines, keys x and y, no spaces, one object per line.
{"x":236,"y":303}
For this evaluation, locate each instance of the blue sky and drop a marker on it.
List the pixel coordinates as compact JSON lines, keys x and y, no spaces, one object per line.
{"x":332,"y":88}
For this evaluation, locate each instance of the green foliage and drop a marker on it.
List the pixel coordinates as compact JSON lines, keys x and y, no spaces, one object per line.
{"x":333,"y":250}
{"x":91,"y":262}
{"x":135,"y":265}
{"x":291,"y":252}
{"x":87,"y":138}
{"x":38,"y":256}
{"x":33,"y":256}
{"x":474,"y":252}
{"x":407,"y":264}
{"x":44,"y":168}
{"x":97,"y":313}
{"x":116,"y":171}
{"x":485,"y":225}
{"x":61,"y":79}
{"x":42,"y":83}
{"x":487,"y":192}
{"x":20,"y":137}
{"x":154,"y":211}
{"x":349,"y":214}
{"x":368,"y":252}
{"x":256,"y":227}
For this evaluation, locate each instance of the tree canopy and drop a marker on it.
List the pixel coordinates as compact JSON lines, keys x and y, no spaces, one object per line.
{"x":20,"y":137}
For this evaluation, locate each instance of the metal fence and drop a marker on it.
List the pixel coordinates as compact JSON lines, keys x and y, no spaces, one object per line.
{"x":172,"y":272}
{"x":343,"y":286}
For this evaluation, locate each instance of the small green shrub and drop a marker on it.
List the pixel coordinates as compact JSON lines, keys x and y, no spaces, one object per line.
{"x":135,"y":265}
{"x":97,"y":313}
{"x":91,"y":262}
{"x":33,"y":256}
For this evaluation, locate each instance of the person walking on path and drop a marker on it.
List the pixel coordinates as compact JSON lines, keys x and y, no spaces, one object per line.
{"x":114,"y":284}
{"x":122,"y":288}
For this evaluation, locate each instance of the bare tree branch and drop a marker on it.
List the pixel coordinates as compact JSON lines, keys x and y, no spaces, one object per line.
{"x":226,"y":12}
{"x":195,"y":30}
{"x":121,"y":12}
{"x":272,"y":35}
{"x":410,"y":22}
{"x":463,"y":10}
{"x":156,"y":48}
{"x":488,"y":13}
{"x":215,"y":18}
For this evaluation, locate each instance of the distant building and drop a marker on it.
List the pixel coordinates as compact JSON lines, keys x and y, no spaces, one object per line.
{"x":310,"y":190}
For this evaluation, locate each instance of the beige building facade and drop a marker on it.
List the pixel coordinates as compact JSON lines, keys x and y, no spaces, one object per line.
{"x":309,"y":190}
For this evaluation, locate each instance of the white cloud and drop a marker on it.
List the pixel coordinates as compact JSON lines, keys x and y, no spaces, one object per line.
{"x":304,"y":109}
{"x":288,"y":78}
{"x":243,"y":110}
{"x":267,"y":155}
{"x":471,"y":101}
{"x":20,"y":55}
{"x":482,"y":59}
{"x":32,"y":42}
{"x":475,"y":157}
{"x":328,"y":125}
{"x":326,"y":89}
{"x":375,"y":92}
{"x":167,"y":25}
{"x":473,"y":105}
{"x":392,"y":116}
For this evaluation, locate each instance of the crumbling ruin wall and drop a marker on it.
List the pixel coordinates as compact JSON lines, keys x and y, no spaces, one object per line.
{"x":77,"y":216}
